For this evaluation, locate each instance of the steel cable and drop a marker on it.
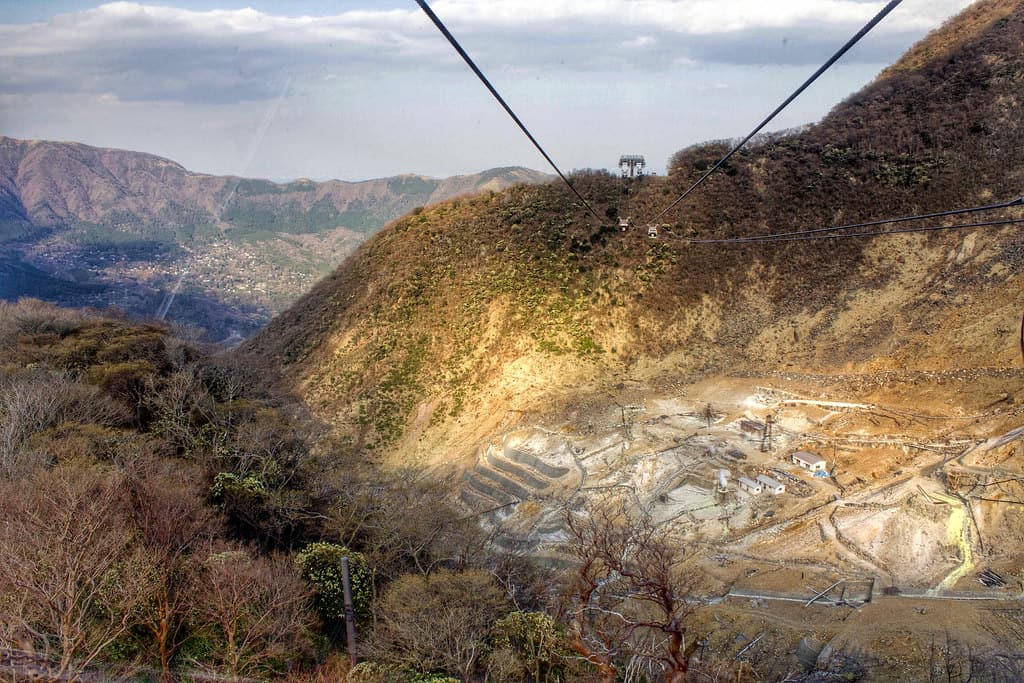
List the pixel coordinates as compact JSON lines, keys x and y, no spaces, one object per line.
{"x":483,"y":79}
{"x":806,"y":84}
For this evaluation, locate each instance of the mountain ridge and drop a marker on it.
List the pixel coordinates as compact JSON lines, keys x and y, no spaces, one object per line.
{"x":519,"y":304}
{"x":135,"y":222}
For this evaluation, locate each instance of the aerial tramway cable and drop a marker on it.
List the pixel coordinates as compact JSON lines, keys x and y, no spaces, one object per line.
{"x":483,"y":79}
{"x":824,"y":67}
{"x":794,"y":235}
{"x":875,"y":233}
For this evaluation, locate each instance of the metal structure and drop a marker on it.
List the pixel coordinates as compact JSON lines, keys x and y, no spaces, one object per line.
{"x":632,"y":165}
{"x":350,"y":613}
{"x":768,"y":435}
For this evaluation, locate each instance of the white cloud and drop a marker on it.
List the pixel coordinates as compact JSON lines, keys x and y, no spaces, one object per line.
{"x":136,"y":51}
{"x":639,"y":42}
{"x":121,"y":23}
{"x":693,"y":16}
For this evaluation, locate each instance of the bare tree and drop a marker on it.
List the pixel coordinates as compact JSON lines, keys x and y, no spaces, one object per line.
{"x":439,"y":621}
{"x":172,"y":523}
{"x":181,"y":408}
{"x":410,"y":524}
{"x":72,"y":578}
{"x":256,"y":609}
{"x":630,"y":595}
{"x":598,"y":632}
{"x":31,"y":402}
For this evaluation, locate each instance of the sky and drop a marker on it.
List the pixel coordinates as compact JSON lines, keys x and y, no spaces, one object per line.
{"x":357,"y":89}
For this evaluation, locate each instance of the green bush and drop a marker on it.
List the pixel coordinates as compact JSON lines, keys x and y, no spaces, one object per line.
{"x":433,"y":678}
{"x":529,"y":643}
{"x":320,"y":565}
{"x":375,"y":672}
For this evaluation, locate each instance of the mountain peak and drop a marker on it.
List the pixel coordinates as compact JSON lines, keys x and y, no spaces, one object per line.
{"x":129,"y":223}
{"x":970,"y":24}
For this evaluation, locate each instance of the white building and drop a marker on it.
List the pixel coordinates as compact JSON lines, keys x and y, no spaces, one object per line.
{"x":770,"y":485}
{"x":749,"y":485}
{"x":812,"y":462}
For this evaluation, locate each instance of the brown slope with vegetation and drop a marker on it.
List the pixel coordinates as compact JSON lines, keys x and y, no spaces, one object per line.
{"x":457,"y":320}
{"x":162,"y":519}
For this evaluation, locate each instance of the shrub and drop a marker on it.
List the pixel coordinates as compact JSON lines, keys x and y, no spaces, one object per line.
{"x":320,"y":565}
{"x":375,"y":672}
{"x":529,"y":643}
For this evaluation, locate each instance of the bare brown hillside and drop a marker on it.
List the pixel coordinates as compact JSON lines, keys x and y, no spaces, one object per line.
{"x":458,"y":319}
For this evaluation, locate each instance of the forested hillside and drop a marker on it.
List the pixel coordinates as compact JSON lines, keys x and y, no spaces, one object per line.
{"x":163,"y":520}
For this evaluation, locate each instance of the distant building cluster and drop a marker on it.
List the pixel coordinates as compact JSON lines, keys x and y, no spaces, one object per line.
{"x":762,"y":483}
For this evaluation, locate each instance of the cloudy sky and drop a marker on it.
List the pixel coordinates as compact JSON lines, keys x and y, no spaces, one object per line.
{"x":355,"y":89}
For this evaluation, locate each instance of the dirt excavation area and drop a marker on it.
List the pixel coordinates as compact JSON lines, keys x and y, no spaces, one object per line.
{"x":898,"y":496}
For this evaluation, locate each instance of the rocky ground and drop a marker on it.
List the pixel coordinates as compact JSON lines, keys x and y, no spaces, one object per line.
{"x":924,"y":491}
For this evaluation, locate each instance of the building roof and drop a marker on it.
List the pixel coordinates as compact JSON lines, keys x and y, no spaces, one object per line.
{"x":808,"y":457}
{"x":768,"y":481}
{"x":749,"y":482}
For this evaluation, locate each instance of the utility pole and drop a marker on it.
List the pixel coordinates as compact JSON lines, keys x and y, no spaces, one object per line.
{"x":1022,"y":337}
{"x":350,"y":616}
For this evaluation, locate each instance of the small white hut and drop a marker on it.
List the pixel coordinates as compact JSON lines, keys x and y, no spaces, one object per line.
{"x":749,"y":485}
{"x":812,"y":462}
{"x":770,"y":485}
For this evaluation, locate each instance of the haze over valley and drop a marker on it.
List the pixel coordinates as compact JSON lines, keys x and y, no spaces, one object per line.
{"x":84,"y":226}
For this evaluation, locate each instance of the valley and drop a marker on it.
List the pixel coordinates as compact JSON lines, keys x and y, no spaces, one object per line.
{"x":772,"y":433}
{"x":125,"y":229}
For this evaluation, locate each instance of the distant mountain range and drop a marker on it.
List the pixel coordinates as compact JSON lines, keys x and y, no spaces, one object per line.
{"x":83,"y":225}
